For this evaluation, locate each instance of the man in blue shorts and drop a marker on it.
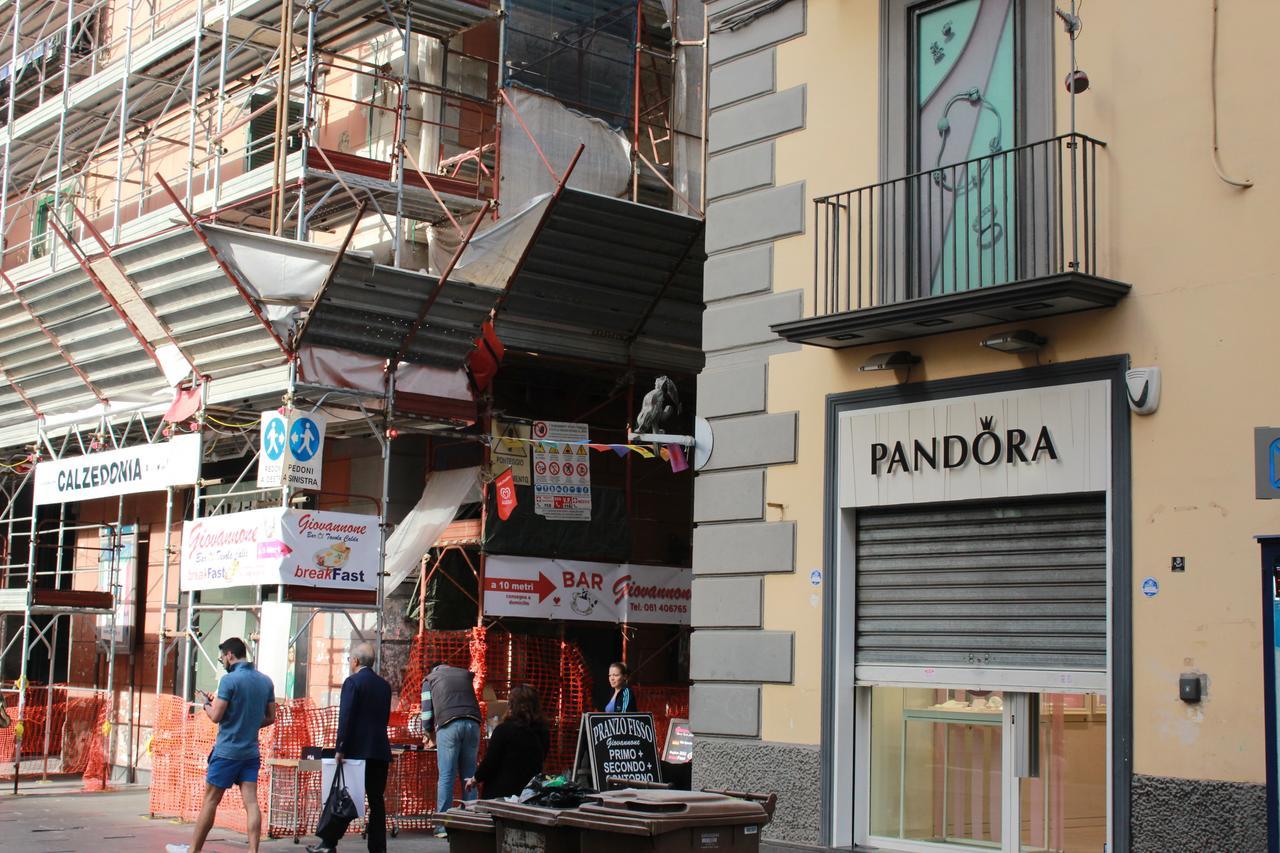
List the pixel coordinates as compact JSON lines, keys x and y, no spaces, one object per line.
{"x":246,"y":702}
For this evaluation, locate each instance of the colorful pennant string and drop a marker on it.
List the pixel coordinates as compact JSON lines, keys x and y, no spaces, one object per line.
{"x":646,"y":451}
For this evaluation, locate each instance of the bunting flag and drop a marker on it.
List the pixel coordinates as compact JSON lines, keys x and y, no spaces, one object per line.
{"x":677,"y":460}
{"x":507,"y":501}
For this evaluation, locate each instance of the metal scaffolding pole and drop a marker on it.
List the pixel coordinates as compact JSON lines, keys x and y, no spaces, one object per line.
{"x":53,"y":645}
{"x":280,"y":152}
{"x":385,"y":441}
{"x":219,"y":145}
{"x":123,"y":133}
{"x":62,"y":127}
{"x":193,"y":124}
{"x":188,"y":634}
{"x":308,"y":102}
{"x":401,"y":134}
{"x":9,"y":116}
{"x":26,"y":639}
{"x":113,"y":584}
{"x":161,"y":635}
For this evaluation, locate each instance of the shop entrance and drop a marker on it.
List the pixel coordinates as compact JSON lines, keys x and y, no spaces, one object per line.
{"x":981,"y":675}
{"x":952,"y":768}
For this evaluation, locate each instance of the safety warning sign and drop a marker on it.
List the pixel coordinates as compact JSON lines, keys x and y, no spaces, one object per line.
{"x":561,"y":471}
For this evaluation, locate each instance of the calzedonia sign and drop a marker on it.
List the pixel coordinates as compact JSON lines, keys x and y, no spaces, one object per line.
{"x":1035,"y":441}
{"x":143,"y":468}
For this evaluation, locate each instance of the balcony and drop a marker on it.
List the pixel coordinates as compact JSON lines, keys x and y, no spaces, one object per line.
{"x":1007,"y":237}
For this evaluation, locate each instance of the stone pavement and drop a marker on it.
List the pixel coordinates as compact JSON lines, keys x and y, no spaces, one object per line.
{"x":57,"y":818}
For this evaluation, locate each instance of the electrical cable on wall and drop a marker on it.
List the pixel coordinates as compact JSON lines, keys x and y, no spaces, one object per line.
{"x":1213,"y":89}
{"x":755,"y":11}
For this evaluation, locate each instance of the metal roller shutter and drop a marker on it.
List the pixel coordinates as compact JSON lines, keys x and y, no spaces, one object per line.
{"x":1020,"y":585}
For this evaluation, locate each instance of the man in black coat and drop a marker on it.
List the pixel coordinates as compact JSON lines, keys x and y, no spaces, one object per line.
{"x":362,"y":733}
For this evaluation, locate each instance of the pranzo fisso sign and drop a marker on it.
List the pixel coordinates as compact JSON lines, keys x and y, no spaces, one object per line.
{"x":1036,"y":441}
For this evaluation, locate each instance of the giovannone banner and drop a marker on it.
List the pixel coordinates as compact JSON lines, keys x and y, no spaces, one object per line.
{"x":274,"y":546}
{"x":144,"y":468}
{"x":539,"y":588}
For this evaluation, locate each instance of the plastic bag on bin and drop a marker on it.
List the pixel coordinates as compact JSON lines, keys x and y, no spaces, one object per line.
{"x":554,"y":792}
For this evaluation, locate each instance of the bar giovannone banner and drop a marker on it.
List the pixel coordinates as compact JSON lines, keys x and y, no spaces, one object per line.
{"x":337,"y":550}
{"x":539,"y":588}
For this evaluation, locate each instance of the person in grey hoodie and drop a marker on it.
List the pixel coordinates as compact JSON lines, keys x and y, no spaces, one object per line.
{"x":451,"y":720}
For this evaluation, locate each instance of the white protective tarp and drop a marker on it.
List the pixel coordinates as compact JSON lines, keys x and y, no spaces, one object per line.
{"x":284,"y":275}
{"x":419,"y":530}
{"x":339,"y":368}
{"x":490,"y":258}
{"x":605,"y":165}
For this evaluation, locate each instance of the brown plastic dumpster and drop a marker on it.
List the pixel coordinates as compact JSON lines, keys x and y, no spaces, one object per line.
{"x":519,"y":828}
{"x":651,"y":821}
{"x":470,"y":831}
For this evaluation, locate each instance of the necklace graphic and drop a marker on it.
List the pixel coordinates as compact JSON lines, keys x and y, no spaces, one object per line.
{"x":987,"y":226}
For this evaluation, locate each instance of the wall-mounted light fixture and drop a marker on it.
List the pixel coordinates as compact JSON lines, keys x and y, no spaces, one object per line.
{"x":897,"y":360}
{"x":1019,"y":340}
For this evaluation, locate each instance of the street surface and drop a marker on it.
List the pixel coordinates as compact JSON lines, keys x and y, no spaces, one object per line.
{"x":56,"y":817}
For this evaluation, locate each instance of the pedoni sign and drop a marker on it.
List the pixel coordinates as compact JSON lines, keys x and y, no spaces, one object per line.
{"x":1034,"y":441}
{"x":337,"y":550}
{"x":538,"y":588}
{"x":144,"y":468}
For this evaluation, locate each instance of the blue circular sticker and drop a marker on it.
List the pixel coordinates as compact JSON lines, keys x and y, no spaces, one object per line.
{"x":815,"y":577}
{"x":304,"y":438}
{"x":273,"y":439}
{"x":1150,"y":587}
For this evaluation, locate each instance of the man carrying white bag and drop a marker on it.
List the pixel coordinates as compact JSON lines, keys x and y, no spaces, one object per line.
{"x":362,"y":758}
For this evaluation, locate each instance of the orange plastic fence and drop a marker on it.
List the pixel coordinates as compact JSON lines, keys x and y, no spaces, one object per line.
{"x":73,"y":725}
{"x":499,"y":659}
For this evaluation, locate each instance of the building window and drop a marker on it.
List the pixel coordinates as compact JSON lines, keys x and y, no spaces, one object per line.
{"x":965,"y":82}
{"x":260,"y":147}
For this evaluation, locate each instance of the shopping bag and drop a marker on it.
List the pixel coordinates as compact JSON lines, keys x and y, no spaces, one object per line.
{"x":352,"y":778}
{"x":339,"y":804}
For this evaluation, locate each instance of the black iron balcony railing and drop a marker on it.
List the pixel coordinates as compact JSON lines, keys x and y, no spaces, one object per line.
{"x":1027,"y":213}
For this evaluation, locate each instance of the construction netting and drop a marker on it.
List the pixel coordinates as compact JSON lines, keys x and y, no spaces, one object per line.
{"x":62,"y":731}
{"x":289,"y":794}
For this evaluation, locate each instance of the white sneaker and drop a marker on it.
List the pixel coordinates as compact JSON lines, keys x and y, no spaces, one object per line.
{"x":177,"y":848}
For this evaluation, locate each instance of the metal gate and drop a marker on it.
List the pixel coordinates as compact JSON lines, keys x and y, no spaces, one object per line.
{"x":1012,"y":584}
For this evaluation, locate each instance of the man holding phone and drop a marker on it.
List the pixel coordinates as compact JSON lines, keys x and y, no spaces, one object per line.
{"x":245,"y":703}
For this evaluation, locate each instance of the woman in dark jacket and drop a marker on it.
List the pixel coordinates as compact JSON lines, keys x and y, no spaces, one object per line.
{"x":517,"y":747}
{"x":624,"y":695}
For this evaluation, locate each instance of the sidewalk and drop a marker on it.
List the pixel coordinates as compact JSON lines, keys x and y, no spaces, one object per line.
{"x":56,"y":817}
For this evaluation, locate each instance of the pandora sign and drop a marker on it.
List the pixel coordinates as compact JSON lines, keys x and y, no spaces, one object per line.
{"x":1029,"y":442}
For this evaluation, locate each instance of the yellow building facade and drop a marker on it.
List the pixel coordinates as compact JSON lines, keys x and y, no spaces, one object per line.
{"x":920,"y":249}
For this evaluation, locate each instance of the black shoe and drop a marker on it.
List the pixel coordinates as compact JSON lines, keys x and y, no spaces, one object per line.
{"x":320,"y":848}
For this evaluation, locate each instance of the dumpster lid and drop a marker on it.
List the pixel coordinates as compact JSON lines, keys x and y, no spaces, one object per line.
{"x":465,"y":818}
{"x":522,"y":812}
{"x":650,"y":812}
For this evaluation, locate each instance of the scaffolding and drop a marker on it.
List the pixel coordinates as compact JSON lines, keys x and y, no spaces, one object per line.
{"x":393,"y":104}
{"x":141,"y":143}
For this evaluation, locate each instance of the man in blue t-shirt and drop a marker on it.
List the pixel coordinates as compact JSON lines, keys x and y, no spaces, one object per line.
{"x":246,"y":702}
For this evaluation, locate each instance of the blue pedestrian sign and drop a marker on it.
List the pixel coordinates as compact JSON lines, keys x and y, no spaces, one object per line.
{"x":273,"y":438}
{"x":304,"y":438}
{"x":292,"y":450}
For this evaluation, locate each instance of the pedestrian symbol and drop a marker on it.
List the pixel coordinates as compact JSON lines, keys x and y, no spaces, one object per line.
{"x":304,"y":439}
{"x":273,"y":439}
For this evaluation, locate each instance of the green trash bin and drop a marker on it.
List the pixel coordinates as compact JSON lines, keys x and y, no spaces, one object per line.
{"x":470,"y":831}
{"x":520,"y":828}
{"x":652,"y":821}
